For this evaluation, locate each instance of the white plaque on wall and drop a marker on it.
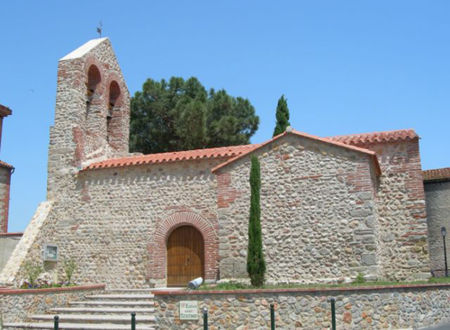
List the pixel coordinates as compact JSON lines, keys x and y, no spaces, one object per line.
{"x":189,"y":310}
{"x":50,"y":252}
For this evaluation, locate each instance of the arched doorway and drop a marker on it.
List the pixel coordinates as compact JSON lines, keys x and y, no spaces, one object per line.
{"x":185,"y":256}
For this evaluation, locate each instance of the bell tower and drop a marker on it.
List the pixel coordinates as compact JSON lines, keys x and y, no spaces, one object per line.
{"x":92,"y":112}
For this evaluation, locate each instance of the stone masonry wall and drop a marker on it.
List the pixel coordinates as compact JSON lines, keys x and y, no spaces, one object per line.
{"x":401,"y":209}
{"x":5,"y":181}
{"x":108,"y":225}
{"x":438,"y":212}
{"x":391,"y":308}
{"x":318,"y":213}
{"x":17,"y":305}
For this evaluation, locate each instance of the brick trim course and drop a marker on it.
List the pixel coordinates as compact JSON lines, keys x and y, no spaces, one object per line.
{"x":10,"y":234}
{"x":311,"y":290}
{"x":7,"y":291}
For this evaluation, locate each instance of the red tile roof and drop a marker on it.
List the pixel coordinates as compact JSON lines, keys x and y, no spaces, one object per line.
{"x":437,"y":174}
{"x":371,"y":153}
{"x":222,"y":152}
{"x":3,"y":164}
{"x":376,"y":137}
{"x":235,"y":152}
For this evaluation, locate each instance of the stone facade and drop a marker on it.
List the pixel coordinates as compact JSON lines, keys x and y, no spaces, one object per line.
{"x":5,"y":184}
{"x":438,"y":210}
{"x":331,"y":207}
{"x":403,"y":244}
{"x":318,"y":222}
{"x":378,"y":308}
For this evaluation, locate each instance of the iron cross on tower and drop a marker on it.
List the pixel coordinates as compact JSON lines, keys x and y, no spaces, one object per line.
{"x":99,"y":29}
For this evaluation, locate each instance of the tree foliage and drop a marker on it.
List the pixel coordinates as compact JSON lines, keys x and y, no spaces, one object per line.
{"x":181,"y":115}
{"x":282,"y":116}
{"x":256,"y":266}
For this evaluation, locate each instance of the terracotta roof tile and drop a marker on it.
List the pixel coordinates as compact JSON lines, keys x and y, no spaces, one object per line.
{"x":371,"y":153}
{"x":235,"y":152}
{"x":3,"y":164}
{"x":376,"y":137}
{"x":437,"y":174}
{"x":222,"y":152}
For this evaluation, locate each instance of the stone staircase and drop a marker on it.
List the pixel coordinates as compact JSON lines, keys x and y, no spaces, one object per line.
{"x":110,"y":310}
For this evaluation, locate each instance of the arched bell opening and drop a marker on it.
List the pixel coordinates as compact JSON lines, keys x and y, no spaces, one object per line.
{"x":93,"y":81}
{"x":114,"y":94}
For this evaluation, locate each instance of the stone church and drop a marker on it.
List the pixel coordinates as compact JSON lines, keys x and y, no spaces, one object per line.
{"x":331,"y":207}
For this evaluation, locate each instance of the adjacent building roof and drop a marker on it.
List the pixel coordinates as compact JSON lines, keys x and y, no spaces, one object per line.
{"x":222,"y":152}
{"x":3,"y":164}
{"x":376,"y":137}
{"x":4,"y":111}
{"x":371,"y":153}
{"x":438,"y":174}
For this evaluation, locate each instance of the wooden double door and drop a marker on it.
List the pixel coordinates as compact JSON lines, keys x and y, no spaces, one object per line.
{"x":185,"y":256}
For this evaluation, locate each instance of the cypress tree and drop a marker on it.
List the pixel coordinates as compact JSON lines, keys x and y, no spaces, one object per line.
{"x":256,"y":266}
{"x":282,"y":116}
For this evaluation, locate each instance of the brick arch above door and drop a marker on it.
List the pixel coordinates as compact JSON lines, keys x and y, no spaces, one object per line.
{"x":157,"y":249}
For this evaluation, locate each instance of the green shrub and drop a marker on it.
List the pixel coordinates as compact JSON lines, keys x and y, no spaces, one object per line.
{"x":359,"y":279}
{"x":32,"y":272}
{"x":69,"y":266}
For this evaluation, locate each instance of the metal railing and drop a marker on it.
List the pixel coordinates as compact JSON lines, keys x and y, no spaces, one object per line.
{"x":272,"y":315}
{"x":133,"y":322}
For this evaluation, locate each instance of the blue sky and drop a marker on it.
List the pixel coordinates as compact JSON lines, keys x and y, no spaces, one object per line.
{"x":344,"y":66}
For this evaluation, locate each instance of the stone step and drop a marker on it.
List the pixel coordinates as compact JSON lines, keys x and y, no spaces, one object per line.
{"x":121,"y":296}
{"x":128,"y":290}
{"x":102,"y":310}
{"x":110,"y":310}
{"x":113,"y":303}
{"x":75,"y":326}
{"x":86,"y":318}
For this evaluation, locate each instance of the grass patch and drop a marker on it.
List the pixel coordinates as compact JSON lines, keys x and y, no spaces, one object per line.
{"x":356,"y":283}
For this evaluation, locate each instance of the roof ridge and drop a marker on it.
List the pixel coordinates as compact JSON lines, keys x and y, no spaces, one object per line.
{"x":436,"y":174}
{"x":376,"y":137}
{"x":371,"y":153}
{"x":171,"y":156}
{"x":4,"y":164}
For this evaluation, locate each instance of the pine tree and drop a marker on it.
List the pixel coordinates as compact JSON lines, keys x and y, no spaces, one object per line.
{"x":182,"y":115}
{"x":282,"y":116}
{"x":256,"y":266}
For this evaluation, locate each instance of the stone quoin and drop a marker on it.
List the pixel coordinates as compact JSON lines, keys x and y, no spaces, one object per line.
{"x":331,"y":208}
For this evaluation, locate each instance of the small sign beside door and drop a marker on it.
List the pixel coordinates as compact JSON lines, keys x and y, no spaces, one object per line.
{"x":189,"y":310}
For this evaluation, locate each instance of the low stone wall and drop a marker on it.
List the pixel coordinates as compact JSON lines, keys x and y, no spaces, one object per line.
{"x":17,"y":304}
{"x":381,"y":307}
